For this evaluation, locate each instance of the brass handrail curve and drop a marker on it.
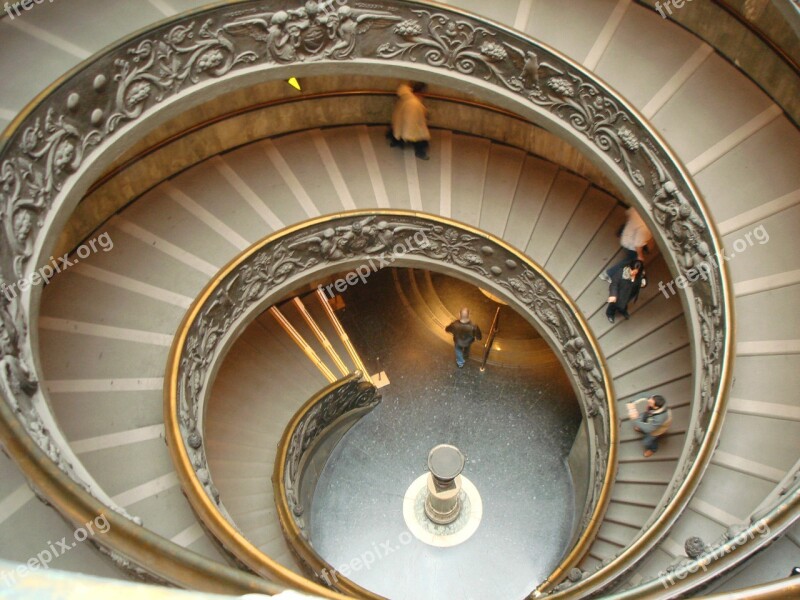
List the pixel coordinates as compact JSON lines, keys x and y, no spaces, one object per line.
{"x":481,"y":249}
{"x":487,"y":347}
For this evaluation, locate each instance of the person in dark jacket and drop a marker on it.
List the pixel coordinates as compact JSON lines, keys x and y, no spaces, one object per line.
{"x":624,"y":289}
{"x":653,"y":423}
{"x":464,"y":333}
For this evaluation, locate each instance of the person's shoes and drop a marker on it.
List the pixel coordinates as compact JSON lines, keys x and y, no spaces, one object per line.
{"x":423,"y":157}
{"x":610,"y":319}
{"x":459,"y":366}
{"x":626,"y":315}
{"x":393,"y":141}
{"x":648,"y":453}
{"x":604,"y":276}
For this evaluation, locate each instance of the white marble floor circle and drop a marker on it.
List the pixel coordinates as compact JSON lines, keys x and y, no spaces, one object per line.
{"x":442,"y":536}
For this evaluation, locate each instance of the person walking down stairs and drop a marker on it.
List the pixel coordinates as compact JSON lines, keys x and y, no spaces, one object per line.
{"x":624,"y":289}
{"x":653,"y":421}
{"x":409,"y":121}
{"x":464,"y":332}
{"x":633,"y":238}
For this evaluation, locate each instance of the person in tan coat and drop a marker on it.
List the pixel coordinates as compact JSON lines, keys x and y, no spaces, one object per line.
{"x":409,"y":122}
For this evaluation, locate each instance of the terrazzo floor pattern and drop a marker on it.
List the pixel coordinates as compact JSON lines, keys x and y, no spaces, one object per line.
{"x":515,"y":426}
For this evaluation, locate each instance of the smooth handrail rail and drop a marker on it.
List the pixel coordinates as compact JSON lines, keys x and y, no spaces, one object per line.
{"x":320,"y":335}
{"x":323,"y":300}
{"x":762,"y":35}
{"x":774,"y":590}
{"x":487,"y":259}
{"x":487,"y":347}
{"x":298,"y":339}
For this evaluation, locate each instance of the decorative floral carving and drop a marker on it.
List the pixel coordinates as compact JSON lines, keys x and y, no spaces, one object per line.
{"x":158,"y":67}
{"x":561,"y":86}
{"x":573,"y":577}
{"x":441,"y":40}
{"x":711,"y":352}
{"x":590,"y":111}
{"x":309,"y":33}
{"x":493,"y":52}
{"x":408,"y":28}
{"x":684,"y":228}
{"x":345,"y":398}
{"x":456,"y":247}
{"x":628,"y":139}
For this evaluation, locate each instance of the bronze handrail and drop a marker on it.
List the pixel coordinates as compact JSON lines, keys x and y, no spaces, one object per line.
{"x":760,"y":34}
{"x":351,"y":350}
{"x":774,"y":590}
{"x":487,"y":347}
{"x":515,"y":261}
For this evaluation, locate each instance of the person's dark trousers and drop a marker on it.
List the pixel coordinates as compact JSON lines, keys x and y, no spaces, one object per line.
{"x":462,"y":354}
{"x":421,"y":149}
{"x":612,"y":309}
{"x":393,"y":141}
{"x":650,"y":442}
{"x":628,"y":258}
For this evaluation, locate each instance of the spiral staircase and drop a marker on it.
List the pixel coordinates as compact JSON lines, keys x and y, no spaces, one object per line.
{"x":105,"y":326}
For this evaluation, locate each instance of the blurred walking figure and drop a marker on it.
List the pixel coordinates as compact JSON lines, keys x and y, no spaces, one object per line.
{"x":464,"y":333}
{"x":409,"y":121}
{"x":633,"y":238}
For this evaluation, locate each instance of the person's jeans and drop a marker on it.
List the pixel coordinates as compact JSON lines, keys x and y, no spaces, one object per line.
{"x":462,"y":354}
{"x":628,"y":257}
{"x":650,"y":442}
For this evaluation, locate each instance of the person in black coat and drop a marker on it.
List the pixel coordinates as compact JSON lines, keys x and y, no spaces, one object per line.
{"x":464,"y":332}
{"x":624,"y":289}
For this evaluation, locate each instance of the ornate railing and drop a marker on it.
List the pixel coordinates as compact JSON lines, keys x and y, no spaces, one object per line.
{"x":330,"y":413}
{"x":703,"y":563}
{"x":54,"y":150}
{"x":273,"y":268}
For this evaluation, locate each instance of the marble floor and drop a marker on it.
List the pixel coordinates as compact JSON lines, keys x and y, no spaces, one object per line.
{"x":515,"y":426}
